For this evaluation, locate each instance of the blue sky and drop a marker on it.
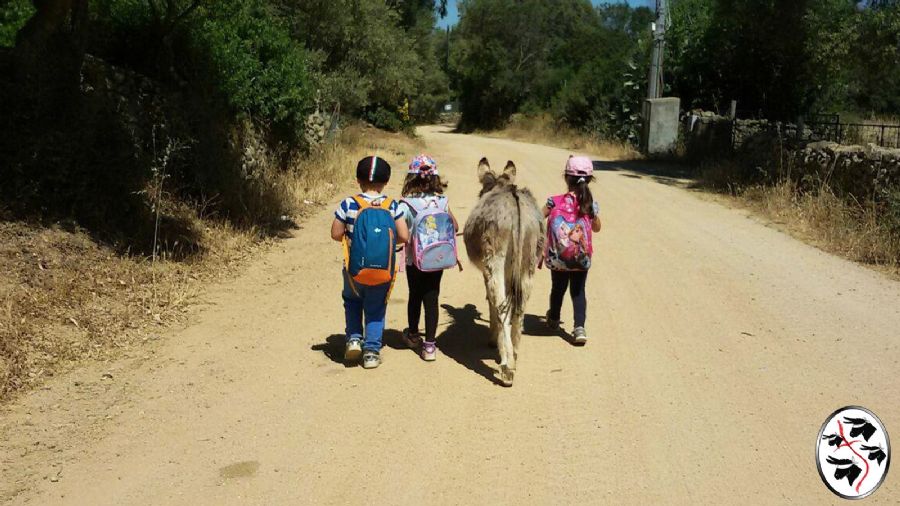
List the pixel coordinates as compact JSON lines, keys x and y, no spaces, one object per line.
{"x":453,"y":14}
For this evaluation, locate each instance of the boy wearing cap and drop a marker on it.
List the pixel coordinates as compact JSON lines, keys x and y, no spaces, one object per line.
{"x":372,"y":174}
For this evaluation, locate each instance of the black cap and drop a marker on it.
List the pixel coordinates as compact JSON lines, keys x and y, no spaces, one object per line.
{"x":373,"y":169}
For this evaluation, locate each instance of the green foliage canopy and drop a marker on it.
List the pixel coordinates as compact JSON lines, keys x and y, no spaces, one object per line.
{"x":785,"y":58}
{"x":579,"y":62}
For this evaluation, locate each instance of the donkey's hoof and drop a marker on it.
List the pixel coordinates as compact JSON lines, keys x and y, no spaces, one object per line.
{"x":506,"y":376}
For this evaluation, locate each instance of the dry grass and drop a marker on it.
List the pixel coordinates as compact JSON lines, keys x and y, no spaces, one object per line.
{"x":64,"y":297}
{"x":543,"y":130}
{"x":855,"y":231}
{"x":314,"y":179}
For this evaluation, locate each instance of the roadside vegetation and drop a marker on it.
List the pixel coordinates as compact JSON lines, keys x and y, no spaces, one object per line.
{"x":581,"y":66}
{"x":150,"y":146}
{"x":859,"y":231}
{"x":786,"y":60}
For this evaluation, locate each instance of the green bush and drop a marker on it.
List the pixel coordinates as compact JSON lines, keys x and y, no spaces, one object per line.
{"x":237,"y":51}
{"x":387,"y":119}
{"x":13,"y":16}
{"x":248,"y":57}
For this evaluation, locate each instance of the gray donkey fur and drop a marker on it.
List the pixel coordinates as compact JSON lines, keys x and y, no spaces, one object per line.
{"x":504,"y":238}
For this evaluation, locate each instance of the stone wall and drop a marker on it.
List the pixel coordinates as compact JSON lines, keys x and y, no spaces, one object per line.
{"x":708,"y":135}
{"x":866,"y":172}
{"x":769,"y":151}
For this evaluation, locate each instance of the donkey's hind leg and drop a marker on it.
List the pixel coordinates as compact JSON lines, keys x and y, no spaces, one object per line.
{"x":495,"y":326}
{"x":496,"y":292}
{"x":518,"y":316}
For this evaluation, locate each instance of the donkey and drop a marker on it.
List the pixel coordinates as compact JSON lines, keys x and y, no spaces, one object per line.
{"x":504,"y":238}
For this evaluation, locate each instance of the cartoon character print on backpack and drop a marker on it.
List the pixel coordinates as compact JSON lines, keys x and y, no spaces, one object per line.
{"x":433,"y":237}
{"x":569,"y":245}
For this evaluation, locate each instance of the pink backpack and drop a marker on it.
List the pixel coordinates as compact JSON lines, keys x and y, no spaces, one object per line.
{"x":432,"y":242}
{"x":569,"y":246}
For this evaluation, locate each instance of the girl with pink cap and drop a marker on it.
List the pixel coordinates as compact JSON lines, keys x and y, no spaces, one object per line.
{"x":572,"y":217}
{"x":431,"y":250}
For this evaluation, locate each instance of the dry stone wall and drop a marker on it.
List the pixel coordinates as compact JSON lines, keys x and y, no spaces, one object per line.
{"x":862,"y":171}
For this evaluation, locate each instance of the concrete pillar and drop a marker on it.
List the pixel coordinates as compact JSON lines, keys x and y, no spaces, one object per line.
{"x":660,"y":125}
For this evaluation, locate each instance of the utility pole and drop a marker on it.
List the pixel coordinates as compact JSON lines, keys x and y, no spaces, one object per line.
{"x":447,"y":56}
{"x":655,"y":84}
{"x":660,"y":115}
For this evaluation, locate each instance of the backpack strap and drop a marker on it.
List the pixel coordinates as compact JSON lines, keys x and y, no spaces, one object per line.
{"x":386,"y":203}
{"x":361,"y":202}
{"x":413,"y":203}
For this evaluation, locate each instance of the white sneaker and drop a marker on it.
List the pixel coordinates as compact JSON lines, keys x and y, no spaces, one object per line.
{"x":371,"y":360}
{"x":353,"y":350}
{"x":581,"y":337}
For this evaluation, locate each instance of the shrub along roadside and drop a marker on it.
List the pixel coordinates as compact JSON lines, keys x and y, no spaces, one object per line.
{"x":66,"y":297}
{"x":175,"y":135}
{"x":845,"y":200}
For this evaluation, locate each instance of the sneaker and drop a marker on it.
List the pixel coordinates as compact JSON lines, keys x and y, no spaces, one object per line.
{"x":353,"y":350}
{"x":581,"y":337}
{"x":429,"y":351}
{"x":411,"y":339}
{"x":371,"y":359}
{"x":551,"y":323}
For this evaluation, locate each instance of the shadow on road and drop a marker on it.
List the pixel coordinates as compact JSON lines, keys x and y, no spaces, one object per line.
{"x":537,"y":326}
{"x":465,"y":340}
{"x":333,"y":347}
{"x":662,"y":172}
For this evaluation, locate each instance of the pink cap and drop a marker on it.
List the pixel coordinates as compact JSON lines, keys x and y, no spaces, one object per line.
{"x":581,"y":166}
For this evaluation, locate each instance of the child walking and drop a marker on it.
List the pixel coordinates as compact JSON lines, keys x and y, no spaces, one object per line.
{"x":370,"y":225}
{"x":571,"y":219}
{"x":431,"y":249}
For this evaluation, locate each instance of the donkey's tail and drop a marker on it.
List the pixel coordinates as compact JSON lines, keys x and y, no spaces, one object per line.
{"x":514,"y":289}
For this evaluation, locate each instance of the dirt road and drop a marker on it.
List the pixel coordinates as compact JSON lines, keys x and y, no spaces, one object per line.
{"x":719,"y":346}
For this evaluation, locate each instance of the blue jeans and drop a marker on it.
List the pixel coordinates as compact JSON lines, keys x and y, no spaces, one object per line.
{"x":368,"y":300}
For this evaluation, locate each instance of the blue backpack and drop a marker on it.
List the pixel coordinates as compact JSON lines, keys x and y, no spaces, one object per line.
{"x":370,"y":255}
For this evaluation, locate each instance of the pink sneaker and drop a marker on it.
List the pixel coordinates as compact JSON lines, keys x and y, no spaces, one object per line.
{"x":429,"y":351}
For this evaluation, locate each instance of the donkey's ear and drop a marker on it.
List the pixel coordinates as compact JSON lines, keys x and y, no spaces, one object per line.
{"x":509,"y":172}
{"x":484,"y":170}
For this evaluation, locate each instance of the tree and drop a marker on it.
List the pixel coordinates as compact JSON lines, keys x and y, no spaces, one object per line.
{"x":781,"y":59}
{"x":50,"y":49}
{"x":569,"y":58}
{"x":876,"y":87}
{"x":371,"y":56}
{"x":506,"y":51}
